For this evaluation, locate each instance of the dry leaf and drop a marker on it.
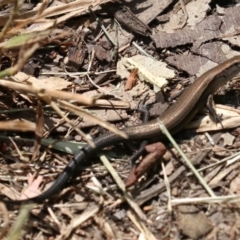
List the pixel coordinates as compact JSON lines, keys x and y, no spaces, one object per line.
{"x":33,"y":187}
{"x":132,"y":79}
{"x":53,"y":83}
{"x":155,"y":152}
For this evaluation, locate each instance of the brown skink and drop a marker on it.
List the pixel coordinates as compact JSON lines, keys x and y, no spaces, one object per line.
{"x":175,"y":118}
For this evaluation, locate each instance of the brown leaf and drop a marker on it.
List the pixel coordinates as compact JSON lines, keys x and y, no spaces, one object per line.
{"x":132,"y":79}
{"x":33,"y":187}
{"x":157,"y":150}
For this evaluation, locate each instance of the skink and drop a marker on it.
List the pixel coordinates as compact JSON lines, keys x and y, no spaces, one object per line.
{"x":175,"y":118}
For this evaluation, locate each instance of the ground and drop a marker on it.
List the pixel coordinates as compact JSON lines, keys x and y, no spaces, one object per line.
{"x":74,"y":69}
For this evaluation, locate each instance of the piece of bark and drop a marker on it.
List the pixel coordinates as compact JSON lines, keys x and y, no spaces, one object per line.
{"x":31,"y":67}
{"x":187,"y":35}
{"x":125,"y":16}
{"x":189,"y":63}
{"x":77,"y":53}
{"x":210,"y":28}
{"x":102,"y":54}
{"x":212,"y":50}
{"x":149,"y":10}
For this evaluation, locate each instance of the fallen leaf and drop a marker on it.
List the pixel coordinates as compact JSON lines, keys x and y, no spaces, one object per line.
{"x":155,"y":152}
{"x":33,"y":187}
{"x":132,"y":79}
{"x":53,"y":83}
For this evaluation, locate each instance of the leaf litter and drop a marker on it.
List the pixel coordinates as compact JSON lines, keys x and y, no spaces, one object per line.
{"x":37,"y":43}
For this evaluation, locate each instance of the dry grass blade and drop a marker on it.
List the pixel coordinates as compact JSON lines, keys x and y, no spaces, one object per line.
{"x":121,"y":185}
{"x":76,"y":222}
{"x":17,"y":228}
{"x":17,"y":125}
{"x":74,"y":8}
{"x":231,"y":159}
{"x":105,"y":226}
{"x":68,"y":121}
{"x":24,"y":40}
{"x":48,"y":92}
{"x":218,"y":199}
{"x":24,"y":55}
{"x":187,"y":161}
{"x":141,"y":226}
{"x":10,"y":19}
{"x":167,"y":187}
{"x":17,"y":149}
{"x":103,"y":103}
{"x":81,"y":112}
